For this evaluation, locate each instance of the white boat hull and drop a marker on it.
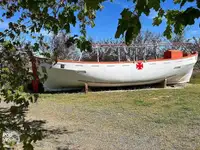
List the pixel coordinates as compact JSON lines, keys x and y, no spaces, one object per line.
{"x":75,"y":74}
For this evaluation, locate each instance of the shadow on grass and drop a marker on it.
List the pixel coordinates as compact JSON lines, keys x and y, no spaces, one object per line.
{"x":15,"y":128}
{"x":68,"y":148}
{"x":100,"y":89}
{"x":195,"y":79}
{"x":27,"y":132}
{"x":62,"y":148}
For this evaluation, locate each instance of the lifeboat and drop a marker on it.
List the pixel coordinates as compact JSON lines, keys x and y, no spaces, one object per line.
{"x":175,"y":67}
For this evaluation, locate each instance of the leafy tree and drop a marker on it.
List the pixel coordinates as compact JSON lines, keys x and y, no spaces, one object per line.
{"x":33,"y":16}
{"x":14,"y":74}
{"x":64,"y":51}
{"x":177,"y":20}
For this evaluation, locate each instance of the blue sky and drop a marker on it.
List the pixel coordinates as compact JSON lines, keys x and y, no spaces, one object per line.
{"x":107,"y":20}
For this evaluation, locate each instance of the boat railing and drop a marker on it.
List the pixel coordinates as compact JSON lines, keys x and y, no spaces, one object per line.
{"x":135,"y":52}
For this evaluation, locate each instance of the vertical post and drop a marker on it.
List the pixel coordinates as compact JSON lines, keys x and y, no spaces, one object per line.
{"x":156,"y":50}
{"x":136,"y":59}
{"x":35,"y":82}
{"x":144,"y":56}
{"x":86,"y":88}
{"x":133,"y":53}
{"x":165,"y":83}
{"x":97,"y":54}
{"x":126,"y":53}
{"x":80,"y":56}
{"x":118,"y":48}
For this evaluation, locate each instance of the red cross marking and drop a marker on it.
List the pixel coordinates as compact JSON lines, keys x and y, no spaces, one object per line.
{"x":139,"y":66}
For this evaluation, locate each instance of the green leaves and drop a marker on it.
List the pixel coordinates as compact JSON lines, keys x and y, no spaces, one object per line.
{"x":177,"y":1}
{"x":135,"y":29}
{"x":84,"y":45}
{"x":183,"y":3}
{"x":123,"y":23}
{"x":126,"y":14}
{"x":168,"y":32}
{"x":155,"y":4}
{"x":191,"y":14}
{"x":198,"y":4}
{"x":178,"y":20}
{"x":144,"y":6}
{"x":161,"y":12}
{"x":95,"y":5}
{"x":129,"y":25}
{"x":157,"y":21}
{"x":36,"y":47}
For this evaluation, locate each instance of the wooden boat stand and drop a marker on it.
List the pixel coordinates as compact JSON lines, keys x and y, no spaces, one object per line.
{"x":162,"y":84}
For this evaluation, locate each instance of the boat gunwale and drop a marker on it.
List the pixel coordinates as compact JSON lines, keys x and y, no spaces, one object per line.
{"x":121,"y":62}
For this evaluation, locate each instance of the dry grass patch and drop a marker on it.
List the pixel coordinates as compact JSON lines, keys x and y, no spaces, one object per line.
{"x":157,"y":119}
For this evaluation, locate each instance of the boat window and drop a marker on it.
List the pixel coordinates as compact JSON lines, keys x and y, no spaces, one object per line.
{"x":178,"y":67}
{"x":62,"y":66}
{"x":110,"y":65}
{"x":152,"y":63}
{"x":95,"y":65}
{"x":79,"y":65}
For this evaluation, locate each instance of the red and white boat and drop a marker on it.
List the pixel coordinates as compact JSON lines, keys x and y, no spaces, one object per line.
{"x":176,"y":67}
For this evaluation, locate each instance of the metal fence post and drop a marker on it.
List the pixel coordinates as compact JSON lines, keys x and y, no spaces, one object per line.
{"x":118,"y":53}
{"x":97,"y":54}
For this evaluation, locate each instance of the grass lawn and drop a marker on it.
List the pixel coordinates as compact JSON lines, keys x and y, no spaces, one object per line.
{"x":146,"y":119}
